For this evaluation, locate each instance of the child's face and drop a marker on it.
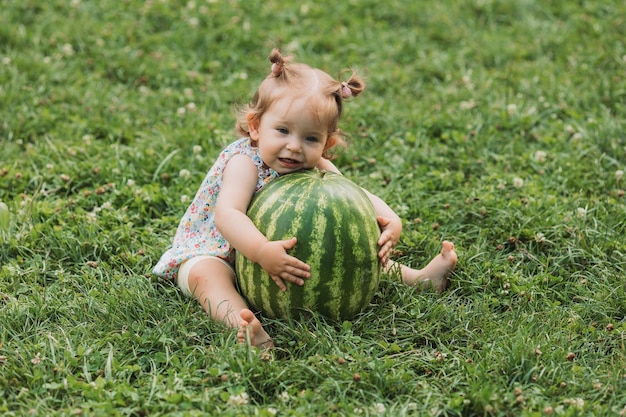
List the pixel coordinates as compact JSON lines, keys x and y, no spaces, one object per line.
{"x":289,"y":136}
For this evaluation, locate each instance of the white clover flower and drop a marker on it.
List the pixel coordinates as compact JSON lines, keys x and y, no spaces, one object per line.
{"x":67,"y":49}
{"x":379,"y":407}
{"x":181,"y":111}
{"x":518,"y":182}
{"x":577,"y":136}
{"x":191,"y":106}
{"x":540,"y":156}
{"x":184,"y":173}
{"x":467,"y":81}
{"x":467,"y":105}
{"x":130,"y":182}
{"x":239,"y":399}
{"x":569,"y":129}
{"x":188,"y":92}
{"x":91,"y":217}
{"x":619,"y":174}
{"x":6,"y":60}
{"x":184,"y":199}
{"x":511,"y":109}
{"x":581,"y":212}
{"x":540,"y":237}
{"x":197,"y":149}
{"x":576,"y":402}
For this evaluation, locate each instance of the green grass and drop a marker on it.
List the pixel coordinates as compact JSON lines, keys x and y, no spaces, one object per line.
{"x":496,"y":124}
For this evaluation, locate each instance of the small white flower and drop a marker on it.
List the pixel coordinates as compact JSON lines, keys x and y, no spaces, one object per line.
{"x":467,"y":81}
{"x":540,"y":156}
{"x":181,"y":111}
{"x":619,"y":174}
{"x":6,"y":60}
{"x":188,"y":92}
{"x":467,"y":105}
{"x":511,"y":109}
{"x":518,"y":182}
{"x":577,"y":136}
{"x":197,"y":149}
{"x":67,"y":49}
{"x":576,"y":402}
{"x":184,"y":173}
{"x":130,"y":182}
{"x":273,"y":411}
{"x":191,"y":106}
{"x":379,"y":407}
{"x":540,"y":237}
{"x":184,"y":199}
{"x":569,"y":129}
{"x":239,"y":399}
{"x":581,"y":212}
{"x":284,"y":396}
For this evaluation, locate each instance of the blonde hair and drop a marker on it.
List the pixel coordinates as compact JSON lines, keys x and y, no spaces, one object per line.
{"x":287,"y":78}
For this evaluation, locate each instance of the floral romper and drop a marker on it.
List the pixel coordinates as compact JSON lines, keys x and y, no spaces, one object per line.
{"x":197,"y":234}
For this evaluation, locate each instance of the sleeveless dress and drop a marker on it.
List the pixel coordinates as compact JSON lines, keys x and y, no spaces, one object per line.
{"x":197,"y":234}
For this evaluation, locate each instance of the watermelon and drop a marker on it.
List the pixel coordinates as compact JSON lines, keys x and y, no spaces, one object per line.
{"x":335,"y":224}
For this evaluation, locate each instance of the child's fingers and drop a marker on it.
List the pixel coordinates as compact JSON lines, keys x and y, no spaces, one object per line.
{"x":279,"y":282}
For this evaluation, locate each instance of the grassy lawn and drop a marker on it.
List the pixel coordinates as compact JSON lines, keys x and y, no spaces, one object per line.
{"x":499,"y":125}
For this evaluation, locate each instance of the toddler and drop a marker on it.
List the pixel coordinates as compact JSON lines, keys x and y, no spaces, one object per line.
{"x":291,"y":124}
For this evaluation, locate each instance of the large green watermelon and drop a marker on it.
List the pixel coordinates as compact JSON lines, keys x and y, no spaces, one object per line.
{"x":335,"y":224}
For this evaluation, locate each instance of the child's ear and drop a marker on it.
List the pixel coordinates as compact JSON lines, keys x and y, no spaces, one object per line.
{"x":253,"y":126}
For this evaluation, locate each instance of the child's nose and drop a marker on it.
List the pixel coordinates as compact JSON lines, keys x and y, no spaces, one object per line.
{"x":294,"y":145}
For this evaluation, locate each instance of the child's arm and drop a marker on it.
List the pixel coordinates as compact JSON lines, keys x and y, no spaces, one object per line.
{"x":238,"y":185}
{"x":390,"y":223}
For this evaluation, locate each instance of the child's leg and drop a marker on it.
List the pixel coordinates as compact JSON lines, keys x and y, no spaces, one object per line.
{"x":212,"y":284}
{"x":434,"y":274}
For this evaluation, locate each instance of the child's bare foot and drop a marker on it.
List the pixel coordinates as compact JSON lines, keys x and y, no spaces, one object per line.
{"x":436,"y":273}
{"x":251,"y":331}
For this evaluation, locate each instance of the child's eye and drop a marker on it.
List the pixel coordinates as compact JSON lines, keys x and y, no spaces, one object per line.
{"x":282,"y":130}
{"x":312,"y":139}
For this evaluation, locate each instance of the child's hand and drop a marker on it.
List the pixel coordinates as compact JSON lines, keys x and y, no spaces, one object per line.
{"x":274,"y":259}
{"x":390,"y":233}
